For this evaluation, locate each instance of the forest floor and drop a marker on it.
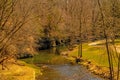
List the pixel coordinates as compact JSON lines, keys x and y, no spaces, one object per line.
{"x":95,"y":58}
{"x":21,"y":71}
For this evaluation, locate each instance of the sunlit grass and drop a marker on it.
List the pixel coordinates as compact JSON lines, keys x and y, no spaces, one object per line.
{"x":37,"y":69}
{"x":23,"y":71}
{"x":96,"y":54}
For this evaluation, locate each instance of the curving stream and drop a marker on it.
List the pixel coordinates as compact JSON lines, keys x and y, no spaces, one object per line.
{"x":54,"y":67}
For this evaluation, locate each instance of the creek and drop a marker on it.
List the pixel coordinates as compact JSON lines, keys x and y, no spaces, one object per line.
{"x":55,"y":67}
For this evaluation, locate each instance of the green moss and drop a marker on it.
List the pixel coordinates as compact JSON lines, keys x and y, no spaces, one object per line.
{"x":37,"y":69}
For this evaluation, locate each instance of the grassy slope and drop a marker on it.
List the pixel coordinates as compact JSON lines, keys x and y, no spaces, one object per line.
{"x":19,"y":72}
{"x":96,"y":54}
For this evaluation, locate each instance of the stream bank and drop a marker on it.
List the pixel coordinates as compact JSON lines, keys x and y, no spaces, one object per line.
{"x":101,"y":71}
{"x":94,"y":59}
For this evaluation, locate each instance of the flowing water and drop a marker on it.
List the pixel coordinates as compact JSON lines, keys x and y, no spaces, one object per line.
{"x":67,"y":72}
{"x":47,"y":60}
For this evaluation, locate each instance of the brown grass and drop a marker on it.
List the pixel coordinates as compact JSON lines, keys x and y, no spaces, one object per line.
{"x":17,"y":72}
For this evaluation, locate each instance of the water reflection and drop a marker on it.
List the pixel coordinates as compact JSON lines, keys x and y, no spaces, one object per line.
{"x":54,"y":50}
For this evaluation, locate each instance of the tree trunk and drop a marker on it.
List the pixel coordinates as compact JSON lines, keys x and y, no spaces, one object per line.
{"x":118,"y":73}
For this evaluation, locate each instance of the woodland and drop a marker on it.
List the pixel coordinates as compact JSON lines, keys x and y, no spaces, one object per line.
{"x":28,"y":26}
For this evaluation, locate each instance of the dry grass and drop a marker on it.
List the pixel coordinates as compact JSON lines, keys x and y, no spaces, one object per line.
{"x":17,"y":72}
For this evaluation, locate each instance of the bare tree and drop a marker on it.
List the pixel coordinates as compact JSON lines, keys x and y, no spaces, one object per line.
{"x":104,"y":28}
{"x":13,"y":15}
